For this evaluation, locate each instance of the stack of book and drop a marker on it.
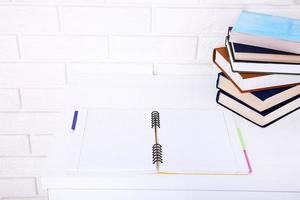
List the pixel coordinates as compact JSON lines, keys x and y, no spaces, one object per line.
{"x":260,"y":67}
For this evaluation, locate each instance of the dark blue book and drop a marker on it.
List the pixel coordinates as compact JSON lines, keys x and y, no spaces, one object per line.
{"x":258,"y":100}
{"x":261,"y":63}
{"x":263,"y":118}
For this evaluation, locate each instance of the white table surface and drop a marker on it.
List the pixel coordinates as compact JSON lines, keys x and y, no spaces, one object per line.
{"x":273,"y":151}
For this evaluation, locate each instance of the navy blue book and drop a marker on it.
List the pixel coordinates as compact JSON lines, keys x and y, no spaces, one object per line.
{"x":267,"y":66}
{"x":258,"y":100}
{"x":262,"y":108}
{"x":244,"y":52}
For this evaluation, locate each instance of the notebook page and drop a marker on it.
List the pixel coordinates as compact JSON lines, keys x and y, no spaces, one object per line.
{"x":196,"y":141}
{"x":117,"y":141}
{"x":66,"y":144}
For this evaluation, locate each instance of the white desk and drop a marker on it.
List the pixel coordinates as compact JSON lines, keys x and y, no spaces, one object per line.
{"x":273,"y":151}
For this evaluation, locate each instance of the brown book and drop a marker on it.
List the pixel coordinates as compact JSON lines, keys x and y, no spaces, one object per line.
{"x":248,"y":82}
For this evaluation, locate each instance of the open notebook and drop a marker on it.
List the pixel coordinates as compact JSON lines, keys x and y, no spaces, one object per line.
{"x":164,"y":141}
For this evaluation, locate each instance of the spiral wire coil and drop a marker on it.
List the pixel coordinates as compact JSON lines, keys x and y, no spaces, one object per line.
{"x":157,"y":153}
{"x":155,"y":121}
{"x":156,"y":148}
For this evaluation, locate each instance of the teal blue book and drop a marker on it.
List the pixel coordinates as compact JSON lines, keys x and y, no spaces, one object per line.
{"x":268,"y":31}
{"x":282,"y":28}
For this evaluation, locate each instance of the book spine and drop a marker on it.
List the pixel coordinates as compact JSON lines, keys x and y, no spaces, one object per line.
{"x":218,"y":96}
{"x":218,"y":80}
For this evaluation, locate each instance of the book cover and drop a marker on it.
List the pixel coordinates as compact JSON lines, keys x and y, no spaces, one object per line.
{"x":266,"y":25}
{"x":262,"y":94}
{"x":224,"y":54}
{"x":244,"y":48}
{"x":263,"y":113}
{"x":247,"y":82}
{"x":259,"y":100}
{"x":231,"y":50}
{"x":249,"y":66}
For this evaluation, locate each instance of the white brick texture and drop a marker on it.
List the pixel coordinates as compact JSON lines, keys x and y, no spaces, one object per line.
{"x":17,"y":187}
{"x":106,"y":20}
{"x":65,"y":48}
{"x":40,"y":144}
{"x":84,"y":2}
{"x":28,"y":166}
{"x":109,"y":68}
{"x":9,"y":99}
{"x":8,"y":47}
{"x":47,"y":46}
{"x":28,"y":19}
{"x":30,"y":123}
{"x":31,"y":74}
{"x":26,"y":198}
{"x":193,"y":20}
{"x":159,"y":48}
{"x":184,"y":69}
{"x":171,"y":2}
{"x":42,"y":99}
{"x":206,"y":46}
{"x":11,"y":145}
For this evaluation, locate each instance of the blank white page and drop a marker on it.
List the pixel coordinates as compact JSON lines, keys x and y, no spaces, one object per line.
{"x":117,"y":141}
{"x":198,"y":141}
{"x":193,"y":141}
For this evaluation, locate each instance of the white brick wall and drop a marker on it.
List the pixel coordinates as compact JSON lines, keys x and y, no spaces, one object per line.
{"x":193,"y":20}
{"x":12,"y":145}
{"x":63,"y":47}
{"x":106,"y":20}
{"x":30,"y":74}
{"x":46,"y":45}
{"x":9,"y":99}
{"x":155,"y":48}
{"x":29,"y":122}
{"x":17,"y":187}
{"x":40,"y":144}
{"x":9,"y":47}
{"x":28,"y":19}
{"x":42,"y":99}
